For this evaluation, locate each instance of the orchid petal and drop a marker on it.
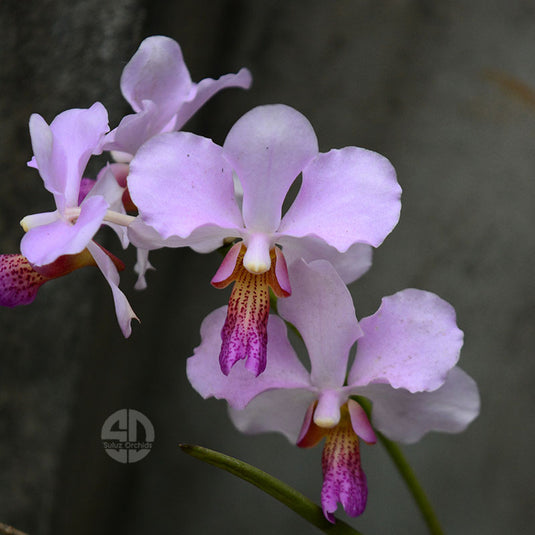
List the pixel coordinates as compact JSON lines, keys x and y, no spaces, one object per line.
{"x":406,"y":417}
{"x":145,"y":237}
{"x":321,"y":308}
{"x":411,"y":342}
{"x":180,"y":182}
{"x":268,"y":147}
{"x":42,"y":245}
{"x":283,"y":370}
{"x":63,"y":149}
{"x":123,"y":310}
{"x":202,"y":240}
{"x":135,"y":129}
{"x":205,"y":90}
{"x":274,"y":410}
{"x":347,"y":196}
{"x":156,"y":72}
{"x":349,"y":265}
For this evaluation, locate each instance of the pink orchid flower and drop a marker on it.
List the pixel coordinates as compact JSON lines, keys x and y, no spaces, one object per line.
{"x":57,"y":242}
{"x":183,"y":186}
{"x":157,"y":84}
{"x":405,"y":364}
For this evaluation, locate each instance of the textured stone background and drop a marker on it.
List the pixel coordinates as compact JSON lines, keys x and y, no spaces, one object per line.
{"x":415,"y":80}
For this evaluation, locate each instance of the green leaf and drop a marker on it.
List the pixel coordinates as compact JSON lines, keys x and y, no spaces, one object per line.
{"x":287,"y":495}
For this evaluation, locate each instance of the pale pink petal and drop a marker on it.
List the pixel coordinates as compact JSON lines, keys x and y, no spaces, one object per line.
{"x":274,"y":410}
{"x":411,"y":342}
{"x":42,"y":245}
{"x":145,"y":237}
{"x":283,"y":370}
{"x":268,"y":148}
{"x":135,"y":129}
{"x":205,"y":90}
{"x":406,"y":417}
{"x":180,"y":182}
{"x":321,"y":308}
{"x":347,"y":196}
{"x":156,"y":72}
{"x":63,"y":149}
{"x":123,"y":310}
{"x":349,"y":265}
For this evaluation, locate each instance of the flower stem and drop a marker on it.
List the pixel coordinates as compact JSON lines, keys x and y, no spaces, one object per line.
{"x":120,"y":219}
{"x":287,"y":495}
{"x":407,"y":473}
{"x":417,"y":491}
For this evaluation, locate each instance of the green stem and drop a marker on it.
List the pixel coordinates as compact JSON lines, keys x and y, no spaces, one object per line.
{"x":287,"y":495}
{"x":407,"y":473}
{"x":417,"y":491}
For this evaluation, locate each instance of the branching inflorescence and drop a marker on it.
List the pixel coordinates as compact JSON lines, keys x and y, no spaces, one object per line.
{"x":167,"y":188}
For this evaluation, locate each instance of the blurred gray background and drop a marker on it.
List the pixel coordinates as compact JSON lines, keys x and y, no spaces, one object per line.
{"x":440,"y":88}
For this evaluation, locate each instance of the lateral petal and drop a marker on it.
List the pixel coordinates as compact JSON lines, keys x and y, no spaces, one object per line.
{"x":180,"y":182}
{"x":348,"y":196}
{"x":411,"y":342}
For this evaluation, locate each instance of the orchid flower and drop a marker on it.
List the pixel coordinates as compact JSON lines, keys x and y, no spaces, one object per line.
{"x":183,"y":187}
{"x":405,"y":364}
{"x":61,"y":152}
{"x":157,"y":84}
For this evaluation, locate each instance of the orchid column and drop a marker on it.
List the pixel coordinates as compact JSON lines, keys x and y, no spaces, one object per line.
{"x":183,"y":186}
